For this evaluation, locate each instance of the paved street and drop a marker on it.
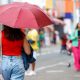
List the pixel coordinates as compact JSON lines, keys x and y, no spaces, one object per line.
{"x":53,"y":66}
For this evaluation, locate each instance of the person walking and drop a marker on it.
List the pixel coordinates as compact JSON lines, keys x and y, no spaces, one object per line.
{"x":63,"y":44}
{"x":32,"y":37}
{"x":54,"y":37}
{"x":13,"y":40}
{"x":41,"y":38}
{"x":75,"y":38}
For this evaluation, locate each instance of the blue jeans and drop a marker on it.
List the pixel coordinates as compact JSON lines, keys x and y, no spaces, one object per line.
{"x":0,"y":65}
{"x":12,"y":68}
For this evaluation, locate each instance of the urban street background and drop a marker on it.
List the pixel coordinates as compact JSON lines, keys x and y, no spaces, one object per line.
{"x":52,"y":64}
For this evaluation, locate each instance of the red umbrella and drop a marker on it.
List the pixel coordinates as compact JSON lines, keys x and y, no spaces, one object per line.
{"x":23,"y":15}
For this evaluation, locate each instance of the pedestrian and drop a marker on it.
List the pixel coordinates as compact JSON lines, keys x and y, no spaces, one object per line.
{"x":41,"y":38}
{"x":13,"y":40}
{"x":63,"y":44}
{"x":69,"y":47}
{"x":54,"y":37}
{"x":33,"y":37}
{"x":75,"y":37}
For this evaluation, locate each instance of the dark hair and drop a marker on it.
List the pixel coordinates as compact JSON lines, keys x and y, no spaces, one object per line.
{"x":13,"y":33}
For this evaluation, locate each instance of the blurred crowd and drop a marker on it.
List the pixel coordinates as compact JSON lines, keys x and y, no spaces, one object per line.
{"x":49,"y":35}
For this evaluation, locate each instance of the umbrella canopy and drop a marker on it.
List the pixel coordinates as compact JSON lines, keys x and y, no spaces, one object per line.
{"x":23,"y":15}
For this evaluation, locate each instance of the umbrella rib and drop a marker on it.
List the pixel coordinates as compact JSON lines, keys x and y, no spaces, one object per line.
{"x":17,"y":18}
{"x":33,"y":16}
{"x":43,"y":13}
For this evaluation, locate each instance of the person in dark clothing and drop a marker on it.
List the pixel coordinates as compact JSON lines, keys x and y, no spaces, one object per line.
{"x":63,"y":43}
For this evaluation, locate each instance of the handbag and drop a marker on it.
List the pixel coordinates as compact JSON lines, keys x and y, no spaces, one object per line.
{"x":27,"y":58}
{"x":25,"y":62}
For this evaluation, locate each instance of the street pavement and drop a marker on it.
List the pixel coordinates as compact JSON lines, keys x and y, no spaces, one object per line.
{"x":53,"y":65}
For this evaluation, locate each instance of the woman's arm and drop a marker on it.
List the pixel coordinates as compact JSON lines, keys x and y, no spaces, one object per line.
{"x":26,"y":47}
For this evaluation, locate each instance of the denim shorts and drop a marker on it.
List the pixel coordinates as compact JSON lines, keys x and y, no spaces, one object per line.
{"x":0,"y":65}
{"x":12,"y":68}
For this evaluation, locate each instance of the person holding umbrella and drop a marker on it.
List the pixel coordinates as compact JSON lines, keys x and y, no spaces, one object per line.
{"x":12,"y":42}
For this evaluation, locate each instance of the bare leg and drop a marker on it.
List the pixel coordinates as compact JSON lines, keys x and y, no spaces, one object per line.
{"x":33,"y":66}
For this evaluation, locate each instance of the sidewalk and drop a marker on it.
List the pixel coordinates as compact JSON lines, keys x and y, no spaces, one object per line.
{"x":49,"y":49}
